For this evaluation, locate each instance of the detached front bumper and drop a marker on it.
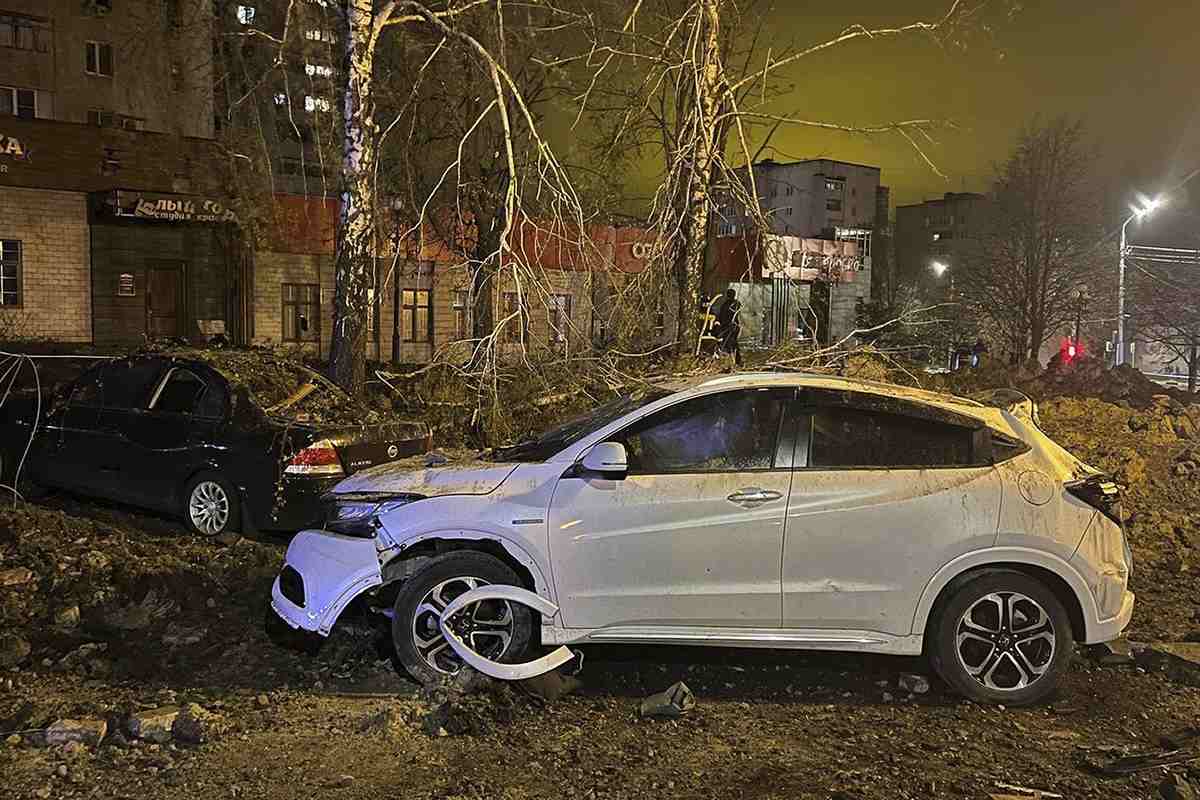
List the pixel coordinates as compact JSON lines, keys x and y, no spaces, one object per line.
{"x":322,"y":573}
{"x":1108,"y":629}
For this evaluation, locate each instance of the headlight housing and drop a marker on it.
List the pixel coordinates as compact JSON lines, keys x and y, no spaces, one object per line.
{"x":358,"y":514}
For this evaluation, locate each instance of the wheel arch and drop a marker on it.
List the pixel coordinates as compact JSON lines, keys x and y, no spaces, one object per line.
{"x":1054,"y":573}
{"x":406,"y":561}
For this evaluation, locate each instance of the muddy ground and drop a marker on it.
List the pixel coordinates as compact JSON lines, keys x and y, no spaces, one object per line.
{"x":107,"y":612}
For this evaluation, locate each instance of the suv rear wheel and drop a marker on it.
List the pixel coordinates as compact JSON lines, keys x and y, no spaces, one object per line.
{"x":1003,"y":638}
{"x":496,"y":629}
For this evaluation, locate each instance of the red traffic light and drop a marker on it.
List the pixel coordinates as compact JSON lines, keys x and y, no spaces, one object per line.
{"x":1071,"y":349}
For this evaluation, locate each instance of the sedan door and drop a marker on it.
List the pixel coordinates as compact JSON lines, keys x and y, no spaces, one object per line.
{"x":692,"y":536}
{"x":880,"y":501}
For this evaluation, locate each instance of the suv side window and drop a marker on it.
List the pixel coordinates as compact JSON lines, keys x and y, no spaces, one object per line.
{"x":726,"y":432}
{"x":853,"y":437}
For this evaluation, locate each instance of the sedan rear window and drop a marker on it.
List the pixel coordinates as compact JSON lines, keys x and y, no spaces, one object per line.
{"x":180,"y":394}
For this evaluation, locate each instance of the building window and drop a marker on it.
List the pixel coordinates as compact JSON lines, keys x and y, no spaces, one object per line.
{"x":788,"y":191}
{"x":318,"y":70}
{"x":100,"y":118}
{"x":319,"y":35}
{"x":787,"y":211}
{"x":132,"y":123}
{"x":10,"y":272}
{"x":315,"y":103}
{"x":660,"y":322}
{"x":245,"y":14}
{"x":516,"y":329}
{"x":833,"y":186}
{"x":560,"y":317}
{"x":833,"y":204}
{"x":99,"y":59}
{"x":23,"y":33}
{"x":301,"y":312}
{"x":296,"y":167}
{"x":417,"y":315}
{"x":18,"y":102}
{"x":462,"y":314}
{"x":281,"y":99}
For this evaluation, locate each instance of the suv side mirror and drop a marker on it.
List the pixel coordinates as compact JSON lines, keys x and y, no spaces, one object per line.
{"x":608,"y":460}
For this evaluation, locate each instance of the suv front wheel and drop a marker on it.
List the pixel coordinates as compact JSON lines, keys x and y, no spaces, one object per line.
{"x":1003,"y":638}
{"x":496,"y":629}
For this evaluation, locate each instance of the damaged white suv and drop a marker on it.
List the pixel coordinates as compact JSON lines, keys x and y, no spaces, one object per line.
{"x":753,"y":510}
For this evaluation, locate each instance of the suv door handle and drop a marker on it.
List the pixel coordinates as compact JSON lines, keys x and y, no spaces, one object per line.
{"x":753,"y":495}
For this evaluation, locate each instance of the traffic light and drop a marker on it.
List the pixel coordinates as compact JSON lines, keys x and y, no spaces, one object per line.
{"x":1070,"y":349}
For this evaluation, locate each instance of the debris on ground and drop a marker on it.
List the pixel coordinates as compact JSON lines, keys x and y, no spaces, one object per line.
{"x":1013,"y":792}
{"x":472,"y":704}
{"x":1179,"y":660}
{"x":1117,"y":653}
{"x":88,"y":732}
{"x":1177,"y":787}
{"x":154,"y":725}
{"x":13,"y":650}
{"x":911,"y":682}
{"x":674,"y":701}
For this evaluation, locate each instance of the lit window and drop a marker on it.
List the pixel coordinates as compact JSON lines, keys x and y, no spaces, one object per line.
{"x":418,"y":315}
{"x":280,"y":99}
{"x":833,"y":186}
{"x":462,"y":315}
{"x":318,"y":35}
{"x":245,"y":14}
{"x":318,"y":70}
{"x":315,"y":103}
{"x":98,"y":59}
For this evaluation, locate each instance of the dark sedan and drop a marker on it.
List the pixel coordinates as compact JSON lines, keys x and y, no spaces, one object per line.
{"x":174,"y":434}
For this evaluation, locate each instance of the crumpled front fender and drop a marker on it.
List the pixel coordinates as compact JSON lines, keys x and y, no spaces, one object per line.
{"x":335,"y":569}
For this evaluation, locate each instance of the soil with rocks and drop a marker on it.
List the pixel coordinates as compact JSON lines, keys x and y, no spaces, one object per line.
{"x":118,"y":619}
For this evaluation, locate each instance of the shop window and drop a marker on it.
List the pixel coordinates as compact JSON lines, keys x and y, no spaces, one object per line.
{"x":418,"y":315}
{"x":10,"y":272}
{"x":24,"y":33}
{"x":462,"y":314}
{"x":99,"y":59}
{"x":560,"y":317}
{"x":18,"y":102}
{"x":301,"y":312}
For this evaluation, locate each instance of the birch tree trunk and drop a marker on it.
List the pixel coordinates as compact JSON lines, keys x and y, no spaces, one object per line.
{"x":355,"y":229}
{"x":689,"y":264}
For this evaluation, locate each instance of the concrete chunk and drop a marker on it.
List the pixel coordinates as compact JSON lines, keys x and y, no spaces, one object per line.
{"x":154,"y":725}
{"x":675,"y":701}
{"x":85,"y":731}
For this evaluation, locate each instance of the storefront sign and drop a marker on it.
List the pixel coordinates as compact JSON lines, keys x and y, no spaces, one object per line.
{"x":170,"y":207}
{"x":125,"y":285}
{"x":12,"y":146}
{"x":812,"y":259}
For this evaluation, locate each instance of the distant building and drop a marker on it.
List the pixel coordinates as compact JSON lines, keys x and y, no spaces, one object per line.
{"x":809,"y":200}
{"x":941,"y":230}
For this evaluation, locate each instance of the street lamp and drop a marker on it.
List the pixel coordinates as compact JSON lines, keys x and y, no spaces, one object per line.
{"x":939,"y":268}
{"x":1139,"y":212}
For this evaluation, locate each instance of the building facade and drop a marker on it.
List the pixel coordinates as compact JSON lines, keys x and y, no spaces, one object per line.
{"x":814,"y":200}
{"x":943,"y":230}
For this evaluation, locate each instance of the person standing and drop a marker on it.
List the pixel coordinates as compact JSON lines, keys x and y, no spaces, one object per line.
{"x":727,"y":318}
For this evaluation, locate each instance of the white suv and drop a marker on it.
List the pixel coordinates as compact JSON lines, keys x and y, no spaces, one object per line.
{"x":754,"y":510}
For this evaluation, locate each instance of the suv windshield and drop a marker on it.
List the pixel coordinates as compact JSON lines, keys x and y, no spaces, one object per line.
{"x":547,"y":444}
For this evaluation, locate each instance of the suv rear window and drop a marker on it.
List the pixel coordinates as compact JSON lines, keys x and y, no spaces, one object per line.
{"x":850,"y":437}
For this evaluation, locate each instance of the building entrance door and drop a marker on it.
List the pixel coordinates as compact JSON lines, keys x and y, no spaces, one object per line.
{"x":164,"y":300}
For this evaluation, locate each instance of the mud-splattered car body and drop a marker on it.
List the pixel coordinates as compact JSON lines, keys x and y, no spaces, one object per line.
{"x":838,"y":514}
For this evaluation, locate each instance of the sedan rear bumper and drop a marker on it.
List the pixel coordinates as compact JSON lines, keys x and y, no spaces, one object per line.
{"x":322,"y":573}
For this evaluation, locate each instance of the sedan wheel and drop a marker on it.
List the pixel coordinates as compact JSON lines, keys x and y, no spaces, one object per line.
{"x":211,"y":506}
{"x":486,"y":626}
{"x":1003,"y":637}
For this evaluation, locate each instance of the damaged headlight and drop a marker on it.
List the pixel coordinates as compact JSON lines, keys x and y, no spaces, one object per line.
{"x":358,"y":515}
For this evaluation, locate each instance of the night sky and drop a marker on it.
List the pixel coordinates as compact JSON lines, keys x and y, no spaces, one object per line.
{"x":1130,"y":69}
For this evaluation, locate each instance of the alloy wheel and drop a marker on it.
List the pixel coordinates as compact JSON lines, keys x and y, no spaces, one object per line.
{"x":486,"y":626}
{"x":1005,"y":641}
{"x":208,"y":507}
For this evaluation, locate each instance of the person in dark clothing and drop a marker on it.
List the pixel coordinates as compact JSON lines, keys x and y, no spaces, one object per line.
{"x":728,"y":327}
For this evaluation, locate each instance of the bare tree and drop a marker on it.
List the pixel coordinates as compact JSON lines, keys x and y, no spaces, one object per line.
{"x":1167,"y":301}
{"x":1040,"y":239}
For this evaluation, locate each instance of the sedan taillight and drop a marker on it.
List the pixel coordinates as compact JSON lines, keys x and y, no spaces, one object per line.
{"x":1099,"y":492}
{"x":319,"y":458}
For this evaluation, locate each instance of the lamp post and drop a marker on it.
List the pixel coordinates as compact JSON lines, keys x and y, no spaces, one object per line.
{"x":940,"y":268}
{"x":1138,"y":214}
{"x":397,"y":207}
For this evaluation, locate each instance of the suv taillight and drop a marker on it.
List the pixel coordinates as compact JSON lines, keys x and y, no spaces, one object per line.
{"x":1099,"y":492}
{"x":319,"y":458}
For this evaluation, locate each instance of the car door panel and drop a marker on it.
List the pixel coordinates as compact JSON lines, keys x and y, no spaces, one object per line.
{"x":861,"y":544}
{"x":693,"y":535}
{"x":669,"y":549}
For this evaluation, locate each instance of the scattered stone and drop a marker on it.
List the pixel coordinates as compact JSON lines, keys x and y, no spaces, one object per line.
{"x":227,"y":539}
{"x":210,"y":603}
{"x":42,"y":792}
{"x":178,"y":635}
{"x":82,"y":657}
{"x":262,"y":701}
{"x":436,"y":459}
{"x":1176,"y":787}
{"x":195,"y":725}
{"x":911,"y":682}
{"x":85,"y":731}
{"x":136,"y":616}
{"x":887,"y":697}
{"x":95,"y":561}
{"x":154,"y":725}
{"x":1118,"y":652}
{"x":675,"y":701}
{"x":551,"y":686}
{"x":61,"y":770}
{"x":13,"y":650}
{"x":1179,"y":660}
{"x":15,"y":576}
{"x":67,"y":617}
